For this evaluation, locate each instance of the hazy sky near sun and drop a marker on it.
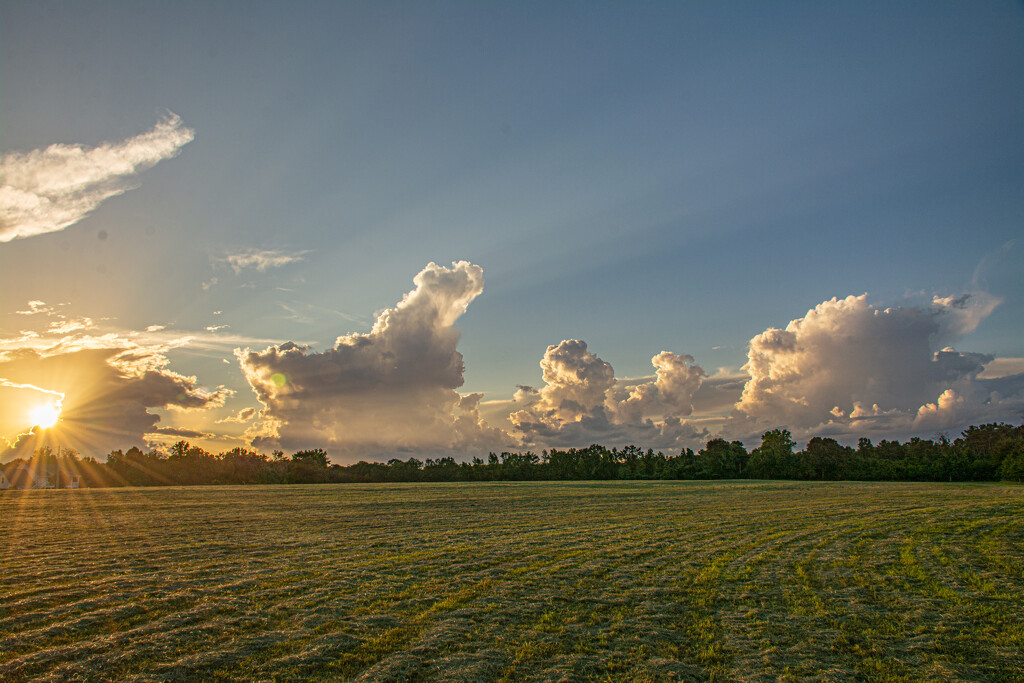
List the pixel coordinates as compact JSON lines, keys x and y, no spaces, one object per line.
{"x":577,"y":189}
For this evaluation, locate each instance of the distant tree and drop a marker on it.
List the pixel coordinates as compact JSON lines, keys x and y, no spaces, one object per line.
{"x":1012,"y":467}
{"x":720,"y":459}
{"x":135,"y":468}
{"x":773,"y":458}
{"x":825,"y":459}
{"x":316,"y":457}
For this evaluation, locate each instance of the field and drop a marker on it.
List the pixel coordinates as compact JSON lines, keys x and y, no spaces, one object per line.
{"x":656,"y":581}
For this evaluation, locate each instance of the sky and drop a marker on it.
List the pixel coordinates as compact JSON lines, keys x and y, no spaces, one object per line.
{"x":428,"y":229}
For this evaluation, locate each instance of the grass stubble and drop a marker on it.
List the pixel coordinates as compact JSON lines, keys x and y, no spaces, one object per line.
{"x":638,"y":581}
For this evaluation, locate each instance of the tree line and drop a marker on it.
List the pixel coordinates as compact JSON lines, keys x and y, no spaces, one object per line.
{"x":990,"y":452}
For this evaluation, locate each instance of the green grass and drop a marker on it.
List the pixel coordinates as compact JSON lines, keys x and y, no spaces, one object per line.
{"x":630,"y":581}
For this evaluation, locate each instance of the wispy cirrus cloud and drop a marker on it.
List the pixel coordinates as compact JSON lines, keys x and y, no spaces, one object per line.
{"x":63,"y":332}
{"x":47,"y":190}
{"x":262,"y":260}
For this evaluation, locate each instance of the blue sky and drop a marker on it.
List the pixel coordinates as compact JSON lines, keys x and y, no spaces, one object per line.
{"x":640,"y":176}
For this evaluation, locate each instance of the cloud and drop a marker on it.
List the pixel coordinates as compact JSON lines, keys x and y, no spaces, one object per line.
{"x":388,"y":391}
{"x":848,"y":366}
{"x":945,"y":411}
{"x":962,"y":314}
{"x":845,"y":369}
{"x":83,"y":333}
{"x":36,"y":307}
{"x":107,"y":393}
{"x":69,"y":326}
{"x":261,"y":260}
{"x":161,"y":432}
{"x":677,"y":380}
{"x":576,"y":384}
{"x":243,"y":416}
{"x":112,"y":379}
{"x":47,"y":190}
{"x":1002,"y":367}
{"x":582,"y":401}
{"x":718,"y":393}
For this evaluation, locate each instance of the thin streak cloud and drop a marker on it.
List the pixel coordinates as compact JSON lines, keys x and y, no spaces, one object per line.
{"x":261,"y":260}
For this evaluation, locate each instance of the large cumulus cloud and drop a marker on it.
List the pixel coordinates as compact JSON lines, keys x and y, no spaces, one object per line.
{"x":845,"y":369}
{"x":848,"y":366}
{"x":387,"y":391}
{"x":582,"y":401}
{"x":47,"y":190}
{"x":677,"y":379}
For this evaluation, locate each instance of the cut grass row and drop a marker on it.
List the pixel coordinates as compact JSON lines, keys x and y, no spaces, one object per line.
{"x":543,"y":581}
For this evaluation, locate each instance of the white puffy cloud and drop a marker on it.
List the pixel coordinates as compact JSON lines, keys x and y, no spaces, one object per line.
{"x":47,"y":190}
{"x":387,"y":391}
{"x":845,"y":369}
{"x":677,"y":379}
{"x":576,"y":384}
{"x":848,"y":367}
{"x":944,"y":412}
{"x":582,"y":402}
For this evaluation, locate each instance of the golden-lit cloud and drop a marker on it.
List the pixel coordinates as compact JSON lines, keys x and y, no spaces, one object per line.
{"x":849,"y":367}
{"x":582,"y":401}
{"x":846,"y":369}
{"x":387,"y":391}
{"x":103,"y":383}
{"x":24,"y":406}
{"x":106,"y":395}
{"x":47,"y":190}
{"x":243,"y":416}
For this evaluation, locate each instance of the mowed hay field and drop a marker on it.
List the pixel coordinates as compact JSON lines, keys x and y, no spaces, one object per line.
{"x":744,"y":581}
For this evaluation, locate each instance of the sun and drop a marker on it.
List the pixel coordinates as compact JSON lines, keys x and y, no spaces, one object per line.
{"x":45,"y":416}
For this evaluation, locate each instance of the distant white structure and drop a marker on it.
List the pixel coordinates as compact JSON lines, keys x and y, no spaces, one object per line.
{"x":29,"y":478}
